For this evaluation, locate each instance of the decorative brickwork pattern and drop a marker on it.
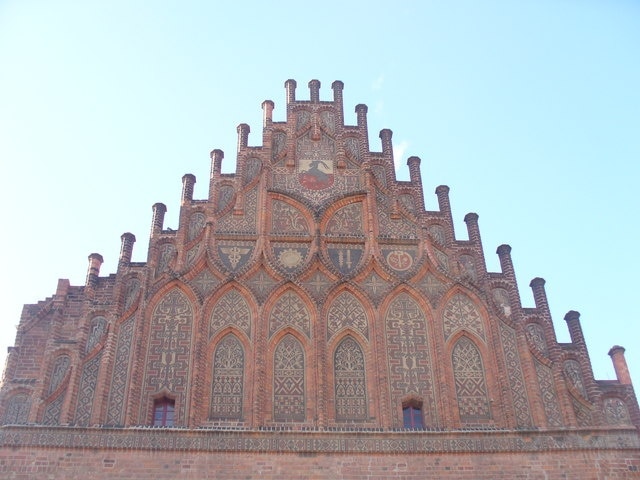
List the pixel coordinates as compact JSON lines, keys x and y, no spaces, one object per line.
{"x":468,"y":267}
{"x":87,"y":390}
{"x":133,"y":288}
{"x":442,"y":259}
{"x":196,"y":225}
{"x":407,"y":202}
{"x":287,"y":328}
{"x":287,"y":220}
{"x":376,"y":287}
{"x":59,"y":372}
{"x":346,"y":222}
{"x":228,"y":380}
{"x":234,"y":255}
{"x":461,"y":313}
{"x":290,"y":311}
{"x":53,"y":410}
{"x":352,"y":148}
{"x":192,"y":254}
{"x":516,"y":378}
{"x":501,"y":299}
{"x":350,"y":381}
{"x":403,"y":443}
{"x":97,"y":330}
{"x":346,"y":311}
{"x":345,"y":257}
{"x":290,"y":256}
{"x":17,"y":411}
{"x":231,"y":309}
{"x":438,"y":234}
{"x":616,"y":412}
{"x":167,"y":255}
{"x":279,"y":143}
{"x":317,"y":285}
{"x":432,"y":287}
{"x":400,"y":259}
{"x":380,"y":174}
{"x":328,"y":120}
{"x":116,"y":404}
{"x":471,"y":388}
{"x":252,"y":168}
{"x":315,"y":153}
{"x":548,"y":393}
{"x":302,"y":119}
{"x":391,"y":227}
{"x":261,"y":284}
{"x":583,"y":413}
{"x":407,"y":352}
{"x":288,"y":381}
{"x":343,"y":182}
{"x":245,"y":223}
{"x":535,"y":335}
{"x":169,"y":347}
{"x":205,"y":282}
{"x":573,"y":373}
{"x":225,"y":196}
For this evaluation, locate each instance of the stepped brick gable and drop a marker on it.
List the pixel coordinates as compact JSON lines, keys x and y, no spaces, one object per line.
{"x":313,"y":307}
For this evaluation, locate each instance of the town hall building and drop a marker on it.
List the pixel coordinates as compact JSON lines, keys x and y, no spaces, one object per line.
{"x":310,"y":318}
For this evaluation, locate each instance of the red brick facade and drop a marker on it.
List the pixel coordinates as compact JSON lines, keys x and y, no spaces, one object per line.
{"x":309,"y":319}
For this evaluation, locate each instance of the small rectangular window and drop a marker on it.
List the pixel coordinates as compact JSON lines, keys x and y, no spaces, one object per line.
{"x":163,"y":412}
{"x":412,"y":417}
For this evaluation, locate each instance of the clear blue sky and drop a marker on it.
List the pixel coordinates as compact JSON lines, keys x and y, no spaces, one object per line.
{"x":528,"y":110}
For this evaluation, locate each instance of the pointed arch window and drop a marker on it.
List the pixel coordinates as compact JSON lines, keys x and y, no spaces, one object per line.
{"x":164,"y":412}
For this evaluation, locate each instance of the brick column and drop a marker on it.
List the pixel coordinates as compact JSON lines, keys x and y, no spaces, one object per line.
{"x":620,"y":364}
{"x":361,"y":114}
{"x":337,"y":87}
{"x":93,"y":272}
{"x":157,"y":221}
{"x":216,"y":167}
{"x":267,"y":113}
{"x":188,"y":182}
{"x":314,"y":88}
{"x":473,"y":230}
{"x":243,"y":135}
{"x":126,"y":247}
{"x":416,"y":178}
{"x":290,"y":87}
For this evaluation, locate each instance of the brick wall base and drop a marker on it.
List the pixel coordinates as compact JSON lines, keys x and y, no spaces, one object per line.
{"x":34,"y":452}
{"x":54,"y":463}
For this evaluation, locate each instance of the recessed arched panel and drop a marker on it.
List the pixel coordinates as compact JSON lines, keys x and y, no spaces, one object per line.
{"x":58,"y":372}
{"x":227,"y":386}
{"x":408,"y":350}
{"x":470,"y":383}
{"x":169,"y":350}
{"x":97,"y":329}
{"x":288,"y":381}
{"x":350,"y":381}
